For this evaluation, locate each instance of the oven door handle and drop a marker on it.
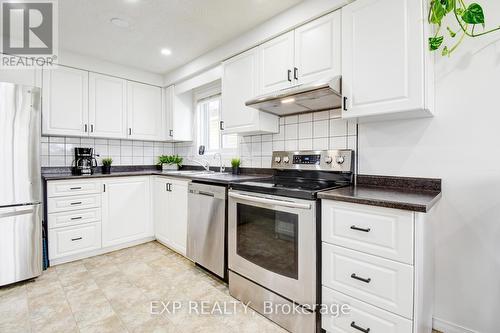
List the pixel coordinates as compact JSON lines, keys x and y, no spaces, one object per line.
{"x":269,"y":201}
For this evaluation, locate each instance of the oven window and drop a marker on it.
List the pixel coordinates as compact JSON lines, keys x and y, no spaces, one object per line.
{"x":268,"y":238}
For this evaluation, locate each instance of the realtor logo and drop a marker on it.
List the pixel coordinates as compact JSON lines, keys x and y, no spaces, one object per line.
{"x":29,"y":32}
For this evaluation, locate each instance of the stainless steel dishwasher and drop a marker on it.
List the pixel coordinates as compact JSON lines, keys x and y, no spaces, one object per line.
{"x":207,"y":227}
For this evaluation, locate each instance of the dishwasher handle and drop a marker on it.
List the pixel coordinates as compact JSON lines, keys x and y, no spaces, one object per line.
{"x":276,"y":202}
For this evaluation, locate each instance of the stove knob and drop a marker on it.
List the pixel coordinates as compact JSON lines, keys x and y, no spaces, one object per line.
{"x":328,"y":160}
{"x":286,"y":159}
{"x":340,"y":159}
{"x":277,"y":159}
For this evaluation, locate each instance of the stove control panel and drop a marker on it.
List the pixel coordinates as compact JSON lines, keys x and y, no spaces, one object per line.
{"x":340,"y":160}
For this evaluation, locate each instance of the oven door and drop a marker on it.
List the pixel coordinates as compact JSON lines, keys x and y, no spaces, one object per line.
{"x":272,"y":241}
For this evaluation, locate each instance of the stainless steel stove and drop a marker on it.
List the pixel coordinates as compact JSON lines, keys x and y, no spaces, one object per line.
{"x":273,"y":228}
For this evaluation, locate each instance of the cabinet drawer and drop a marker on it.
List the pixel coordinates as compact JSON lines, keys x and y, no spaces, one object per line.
{"x":70,"y":187}
{"x":83,"y":216}
{"x":361,"y":315}
{"x":380,"y":231}
{"x":73,"y":240}
{"x":377,"y":281}
{"x":75,"y":202}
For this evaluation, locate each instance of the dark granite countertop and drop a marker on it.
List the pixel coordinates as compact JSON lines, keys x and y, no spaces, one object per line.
{"x":214,"y":177}
{"x":414,"y":194}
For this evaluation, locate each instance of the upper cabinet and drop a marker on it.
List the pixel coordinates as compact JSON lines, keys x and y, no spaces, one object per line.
{"x":386,"y":68}
{"x":306,"y":54}
{"x":79,"y":103}
{"x":107,"y":106}
{"x":239,"y":84}
{"x":65,"y":102}
{"x":179,"y":115}
{"x":276,"y":63}
{"x":317,"y":49}
{"x":145,"y":113}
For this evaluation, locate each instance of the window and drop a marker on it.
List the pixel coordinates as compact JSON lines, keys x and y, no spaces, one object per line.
{"x":209,"y":133}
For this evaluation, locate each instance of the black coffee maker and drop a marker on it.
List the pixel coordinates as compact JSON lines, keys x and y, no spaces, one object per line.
{"x":85,"y":162}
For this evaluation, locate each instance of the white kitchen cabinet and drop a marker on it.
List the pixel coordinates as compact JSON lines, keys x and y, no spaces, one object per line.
{"x":240,"y":83}
{"x":145,"y":114}
{"x":126,"y":210}
{"x":318,"y":49}
{"x":65,"y":102}
{"x":107,"y":106}
{"x":178,"y":111}
{"x":170,"y":212}
{"x":276,"y":59}
{"x":386,"y":67}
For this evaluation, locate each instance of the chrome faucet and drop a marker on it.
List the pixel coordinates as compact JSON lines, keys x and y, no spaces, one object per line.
{"x":222,"y":167}
{"x":205,"y":164}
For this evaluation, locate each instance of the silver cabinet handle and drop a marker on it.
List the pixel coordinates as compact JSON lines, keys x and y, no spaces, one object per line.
{"x":269,"y":201}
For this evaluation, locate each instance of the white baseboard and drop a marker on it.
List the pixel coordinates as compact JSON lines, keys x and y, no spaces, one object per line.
{"x":447,"y":327}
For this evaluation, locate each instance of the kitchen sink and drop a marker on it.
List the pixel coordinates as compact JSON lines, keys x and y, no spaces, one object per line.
{"x":188,"y":172}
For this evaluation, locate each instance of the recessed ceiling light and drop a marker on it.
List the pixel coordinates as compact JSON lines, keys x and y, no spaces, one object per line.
{"x":119,"y":22}
{"x":287,"y":100}
{"x":166,"y":52}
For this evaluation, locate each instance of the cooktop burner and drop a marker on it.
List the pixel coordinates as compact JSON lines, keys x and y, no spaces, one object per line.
{"x":303,"y":188}
{"x":302,"y":174}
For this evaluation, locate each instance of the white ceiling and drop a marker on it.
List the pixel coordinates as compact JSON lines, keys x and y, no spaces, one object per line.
{"x":189,"y":28}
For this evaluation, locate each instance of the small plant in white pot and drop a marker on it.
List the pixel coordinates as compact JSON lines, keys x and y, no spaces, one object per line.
{"x":170,"y":162}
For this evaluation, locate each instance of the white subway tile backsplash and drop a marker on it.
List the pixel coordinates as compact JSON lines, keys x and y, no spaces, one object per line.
{"x":339,"y":142}
{"x":320,"y":143}
{"x":291,"y":132}
{"x":320,"y":129}
{"x":267,"y":138}
{"x":305,"y":130}
{"x":291,"y":144}
{"x":256,"y":149}
{"x":305,"y":144}
{"x":59,"y":151}
{"x":278,"y":145}
{"x":338,"y":127}
{"x":267,"y":148}
{"x":280,"y":135}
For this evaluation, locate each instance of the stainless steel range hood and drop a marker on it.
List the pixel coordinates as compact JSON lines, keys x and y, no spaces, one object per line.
{"x":317,"y":96}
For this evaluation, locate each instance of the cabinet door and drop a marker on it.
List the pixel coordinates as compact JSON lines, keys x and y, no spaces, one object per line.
{"x":179,"y":115}
{"x":126,"y":210}
{"x":107,"y":106}
{"x":145,"y":112}
{"x":382,"y":60}
{"x":177,"y":215}
{"x":160,"y":209}
{"x":65,"y":102}
{"x":240,"y":84}
{"x":276,"y":63}
{"x":317,"y":49}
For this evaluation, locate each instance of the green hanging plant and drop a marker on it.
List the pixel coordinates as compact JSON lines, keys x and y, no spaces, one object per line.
{"x":467,"y":16}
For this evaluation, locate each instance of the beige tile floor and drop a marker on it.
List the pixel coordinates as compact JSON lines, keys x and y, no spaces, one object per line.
{"x":113,"y":293}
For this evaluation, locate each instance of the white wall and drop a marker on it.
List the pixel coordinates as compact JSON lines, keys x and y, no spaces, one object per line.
{"x":461,"y":145}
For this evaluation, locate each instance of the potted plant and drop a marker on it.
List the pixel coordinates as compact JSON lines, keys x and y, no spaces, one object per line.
{"x":106,"y":165}
{"x":170,"y":162}
{"x":235,"y":164}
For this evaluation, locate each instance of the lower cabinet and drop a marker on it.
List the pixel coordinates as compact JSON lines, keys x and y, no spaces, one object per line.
{"x":379,"y":262}
{"x":126,"y":210}
{"x":94,"y":216}
{"x":170,"y":204}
